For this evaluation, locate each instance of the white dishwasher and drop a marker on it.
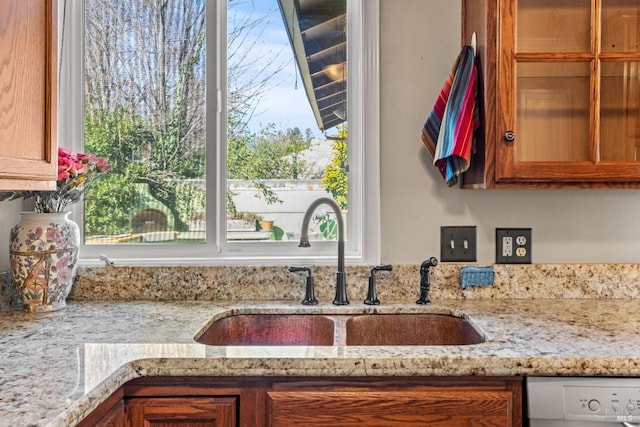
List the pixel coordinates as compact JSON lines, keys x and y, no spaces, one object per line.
{"x":583,"y":401}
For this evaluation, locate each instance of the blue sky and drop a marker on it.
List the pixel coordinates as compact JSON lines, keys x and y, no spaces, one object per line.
{"x":283,"y":104}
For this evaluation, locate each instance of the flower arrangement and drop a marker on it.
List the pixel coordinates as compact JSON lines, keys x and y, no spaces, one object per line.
{"x":76,"y":172}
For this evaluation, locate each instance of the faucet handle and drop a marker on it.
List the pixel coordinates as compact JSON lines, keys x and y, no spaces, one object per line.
{"x":372,"y":298}
{"x":298,"y":269}
{"x":309,"y":297}
{"x":386,"y":267}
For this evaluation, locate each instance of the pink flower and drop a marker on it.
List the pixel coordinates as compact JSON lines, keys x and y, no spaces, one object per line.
{"x":63,"y":153}
{"x":64,"y":167}
{"x":76,"y":172}
{"x":102,"y":165}
{"x":81,"y":167}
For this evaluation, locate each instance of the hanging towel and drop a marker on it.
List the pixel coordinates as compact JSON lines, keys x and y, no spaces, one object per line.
{"x":448,"y":132}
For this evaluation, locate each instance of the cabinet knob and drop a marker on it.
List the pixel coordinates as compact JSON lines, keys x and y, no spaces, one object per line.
{"x":509,"y":136}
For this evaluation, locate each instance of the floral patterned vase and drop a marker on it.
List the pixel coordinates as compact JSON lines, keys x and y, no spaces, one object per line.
{"x":44,"y":254}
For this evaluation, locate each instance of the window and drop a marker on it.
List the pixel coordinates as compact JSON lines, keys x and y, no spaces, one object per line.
{"x":216,"y":114}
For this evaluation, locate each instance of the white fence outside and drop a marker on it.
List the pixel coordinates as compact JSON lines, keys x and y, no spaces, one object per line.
{"x":296,"y":196}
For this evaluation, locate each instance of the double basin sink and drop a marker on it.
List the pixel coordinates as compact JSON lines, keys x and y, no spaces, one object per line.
{"x":406,"y":329}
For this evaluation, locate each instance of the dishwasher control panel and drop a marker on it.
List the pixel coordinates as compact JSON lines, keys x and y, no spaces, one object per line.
{"x":593,"y":399}
{"x":618,"y":403}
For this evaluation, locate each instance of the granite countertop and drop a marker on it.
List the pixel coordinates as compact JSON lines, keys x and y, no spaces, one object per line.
{"x":56,"y":368}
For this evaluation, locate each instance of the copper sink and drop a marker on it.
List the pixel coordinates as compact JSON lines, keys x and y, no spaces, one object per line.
{"x":335,"y":330}
{"x":270,"y":329}
{"x":410,"y":329}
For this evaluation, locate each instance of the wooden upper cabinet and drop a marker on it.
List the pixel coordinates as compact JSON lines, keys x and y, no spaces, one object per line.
{"x":559,"y":90}
{"x":28,"y":94}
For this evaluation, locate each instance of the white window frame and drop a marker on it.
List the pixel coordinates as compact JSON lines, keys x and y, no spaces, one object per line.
{"x":363,"y":220}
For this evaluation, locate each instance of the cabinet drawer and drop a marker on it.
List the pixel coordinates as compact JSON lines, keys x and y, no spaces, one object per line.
{"x":185,"y":411}
{"x":397,"y":408}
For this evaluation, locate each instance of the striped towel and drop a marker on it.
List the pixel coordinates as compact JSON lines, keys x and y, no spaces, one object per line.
{"x":448,"y":131}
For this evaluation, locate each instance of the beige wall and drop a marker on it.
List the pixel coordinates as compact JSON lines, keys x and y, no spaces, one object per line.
{"x":420,"y":40}
{"x":419,"y":43}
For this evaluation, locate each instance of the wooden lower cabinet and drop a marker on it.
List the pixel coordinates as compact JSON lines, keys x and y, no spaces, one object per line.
{"x":318,"y":402}
{"x":396,"y":402}
{"x":183,"y":411}
{"x":381,"y":409}
{"x":110,"y":413}
{"x":113,"y":418}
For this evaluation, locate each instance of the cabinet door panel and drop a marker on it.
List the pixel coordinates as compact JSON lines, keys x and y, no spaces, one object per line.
{"x":554,"y":25}
{"x":620,"y":111}
{"x":391,"y":408}
{"x":552,"y":115}
{"x":28,"y":77}
{"x":22,"y":78}
{"x":183,"y":412}
{"x":114,"y":418}
{"x":620,"y":26}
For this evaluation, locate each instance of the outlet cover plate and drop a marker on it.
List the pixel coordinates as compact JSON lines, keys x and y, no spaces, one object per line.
{"x":458,"y":243}
{"x":513,"y":245}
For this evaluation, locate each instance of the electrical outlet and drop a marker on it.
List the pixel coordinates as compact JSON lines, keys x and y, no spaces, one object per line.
{"x":507,"y":246}
{"x":513,"y":246}
{"x":458,"y":243}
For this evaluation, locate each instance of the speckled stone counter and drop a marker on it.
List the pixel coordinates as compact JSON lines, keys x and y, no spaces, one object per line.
{"x":56,"y":368}
{"x":519,"y":281}
{"x":214,"y":283}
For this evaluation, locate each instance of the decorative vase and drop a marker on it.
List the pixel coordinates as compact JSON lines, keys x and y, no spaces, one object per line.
{"x":44,"y":254}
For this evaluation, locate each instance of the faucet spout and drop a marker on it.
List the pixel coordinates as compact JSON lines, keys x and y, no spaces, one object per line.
{"x":341,"y":276}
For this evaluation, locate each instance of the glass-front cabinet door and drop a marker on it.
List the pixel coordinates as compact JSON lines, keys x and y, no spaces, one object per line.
{"x":568,"y":75}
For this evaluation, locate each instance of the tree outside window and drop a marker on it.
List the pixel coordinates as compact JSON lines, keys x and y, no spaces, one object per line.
{"x":145,"y":82}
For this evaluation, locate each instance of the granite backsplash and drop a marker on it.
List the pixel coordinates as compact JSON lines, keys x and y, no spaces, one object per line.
{"x":534,"y":281}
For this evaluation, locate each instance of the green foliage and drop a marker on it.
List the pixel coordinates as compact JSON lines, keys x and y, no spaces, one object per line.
{"x":247,"y":216}
{"x":328,"y":227}
{"x":138,"y":155}
{"x":276,"y":233}
{"x":110,"y":206}
{"x":262,"y":156}
{"x":132,"y":149}
{"x":191,"y":199}
{"x":118,"y":137}
{"x":335,"y":176}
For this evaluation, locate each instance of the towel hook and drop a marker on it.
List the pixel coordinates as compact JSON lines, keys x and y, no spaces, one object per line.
{"x":473,"y":42}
